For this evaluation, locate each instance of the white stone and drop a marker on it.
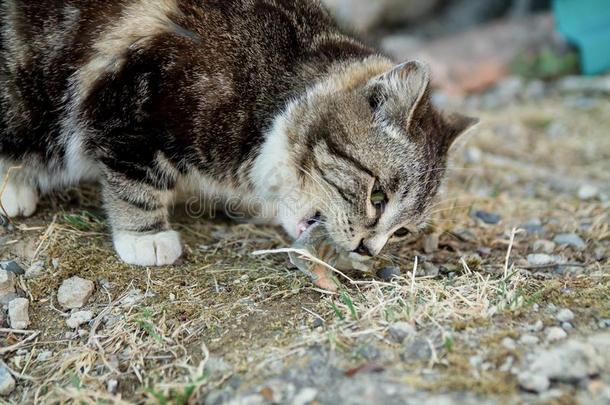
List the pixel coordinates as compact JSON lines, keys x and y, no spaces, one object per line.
{"x":541,"y":259}
{"x":7,"y":283}
{"x":534,"y":382}
{"x":565,"y":315}
{"x":79,"y":318}
{"x":555,"y":333}
{"x":529,"y":340}
{"x":111,"y":386}
{"x":572,"y":361}
{"x":18,"y":313}
{"x":399,"y":331}
{"x":305,"y":396}
{"x":544,"y":246}
{"x":7,"y":382}
{"x":509,"y":343}
{"x":587,"y":192}
{"x":74,"y":292}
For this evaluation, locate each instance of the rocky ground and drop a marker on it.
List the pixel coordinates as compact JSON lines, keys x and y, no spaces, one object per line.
{"x":505,"y":298}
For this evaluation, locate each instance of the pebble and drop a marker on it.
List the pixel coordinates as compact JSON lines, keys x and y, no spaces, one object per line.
{"x":44,"y":356}
{"x":600,"y":253}
{"x":7,"y":382}
{"x":544,"y":246}
{"x":604,"y":323}
{"x":565,"y":315}
{"x":12,"y":267}
{"x":535,"y":327}
{"x":399,"y":331}
{"x":79,"y":318}
{"x":388,"y":273}
{"x":35,"y":270}
{"x":533,"y":226}
{"x":465,"y":235}
{"x":488,"y":217}
{"x":588,"y":192}
{"x":305,"y":396}
{"x":570,"y":239}
{"x":112,"y":386}
{"x":317,"y":323}
{"x":541,"y":259}
{"x":7,"y":282}
{"x":431,"y":243}
{"x":509,"y":343}
{"x":529,"y":340}
{"x":18,"y":313}
{"x":74,"y":292}
{"x":555,"y":333}
{"x":570,"y":362}
{"x":430,"y":270}
{"x":534,"y":382}
{"x":567,"y":326}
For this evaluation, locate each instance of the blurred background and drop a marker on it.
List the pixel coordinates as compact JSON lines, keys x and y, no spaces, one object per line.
{"x":473,"y":45}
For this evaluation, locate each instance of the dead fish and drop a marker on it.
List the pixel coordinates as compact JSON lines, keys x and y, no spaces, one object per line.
{"x":315,"y":242}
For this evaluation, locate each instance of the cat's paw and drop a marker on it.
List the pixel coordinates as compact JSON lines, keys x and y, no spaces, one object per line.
{"x":159,"y":249}
{"x":19,"y":200}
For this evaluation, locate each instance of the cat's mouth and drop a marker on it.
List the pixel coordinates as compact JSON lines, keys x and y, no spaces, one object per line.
{"x":305,"y":223}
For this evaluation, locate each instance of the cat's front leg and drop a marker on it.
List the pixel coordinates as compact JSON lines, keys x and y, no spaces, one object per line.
{"x":138,"y":215}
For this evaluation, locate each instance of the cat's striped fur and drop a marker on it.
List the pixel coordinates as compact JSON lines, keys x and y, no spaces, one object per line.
{"x":262,"y":99}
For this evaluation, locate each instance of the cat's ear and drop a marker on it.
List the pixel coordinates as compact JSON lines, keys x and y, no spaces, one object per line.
{"x":456,"y":125}
{"x":402,"y":94}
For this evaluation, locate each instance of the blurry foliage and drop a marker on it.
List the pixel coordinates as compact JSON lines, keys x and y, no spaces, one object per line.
{"x":547,"y":64}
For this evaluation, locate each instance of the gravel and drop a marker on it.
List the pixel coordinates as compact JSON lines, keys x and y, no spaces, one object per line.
{"x":7,"y":283}
{"x":565,"y":315}
{"x":509,"y":343}
{"x":534,"y":382}
{"x":529,"y":340}
{"x":533,"y":226}
{"x":544,"y":246}
{"x":12,"y":267}
{"x":399,"y":331}
{"x":488,"y":217}
{"x":555,"y":334}
{"x":74,"y":292}
{"x":571,"y":362}
{"x":79,"y":318}
{"x":44,"y":356}
{"x":18,"y":313}
{"x":570,"y":239}
{"x":388,"y":273}
{"x":588,"y":192}
{"x":35,"y":270}
{"x":541,"y":259}
{"x":7,"y":382}
{"x":430,"y":270}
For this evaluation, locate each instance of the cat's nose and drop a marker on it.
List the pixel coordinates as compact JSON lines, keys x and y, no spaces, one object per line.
{"x":363,"y":249}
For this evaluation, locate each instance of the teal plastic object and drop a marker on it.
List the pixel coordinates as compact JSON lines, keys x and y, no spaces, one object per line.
{"x":586,"y":24}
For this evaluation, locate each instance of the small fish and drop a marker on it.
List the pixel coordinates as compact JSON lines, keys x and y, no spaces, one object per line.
{"x":314,"y":242}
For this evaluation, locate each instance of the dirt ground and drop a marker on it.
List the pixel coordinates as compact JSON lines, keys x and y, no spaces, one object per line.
{"x":466,"y":326}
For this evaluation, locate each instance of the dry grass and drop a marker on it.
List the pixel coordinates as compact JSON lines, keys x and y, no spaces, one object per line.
{"x":160,"y":332}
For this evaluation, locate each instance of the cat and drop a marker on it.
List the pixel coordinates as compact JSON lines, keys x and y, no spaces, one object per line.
{"x":261,"y":100}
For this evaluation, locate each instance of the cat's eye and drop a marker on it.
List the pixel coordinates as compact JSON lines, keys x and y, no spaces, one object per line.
{"x":401,"y":233}
{"x":378,"y":197}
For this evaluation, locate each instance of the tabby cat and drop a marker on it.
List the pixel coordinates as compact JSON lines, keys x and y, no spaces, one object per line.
{"x":263,"y":100}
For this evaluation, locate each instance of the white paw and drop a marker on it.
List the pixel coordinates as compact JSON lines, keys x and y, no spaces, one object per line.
{"x":19,"y":200}
{"x":159,"y":249}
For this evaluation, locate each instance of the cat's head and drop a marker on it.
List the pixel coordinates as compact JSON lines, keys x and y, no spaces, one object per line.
{"x":371,"y":151}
